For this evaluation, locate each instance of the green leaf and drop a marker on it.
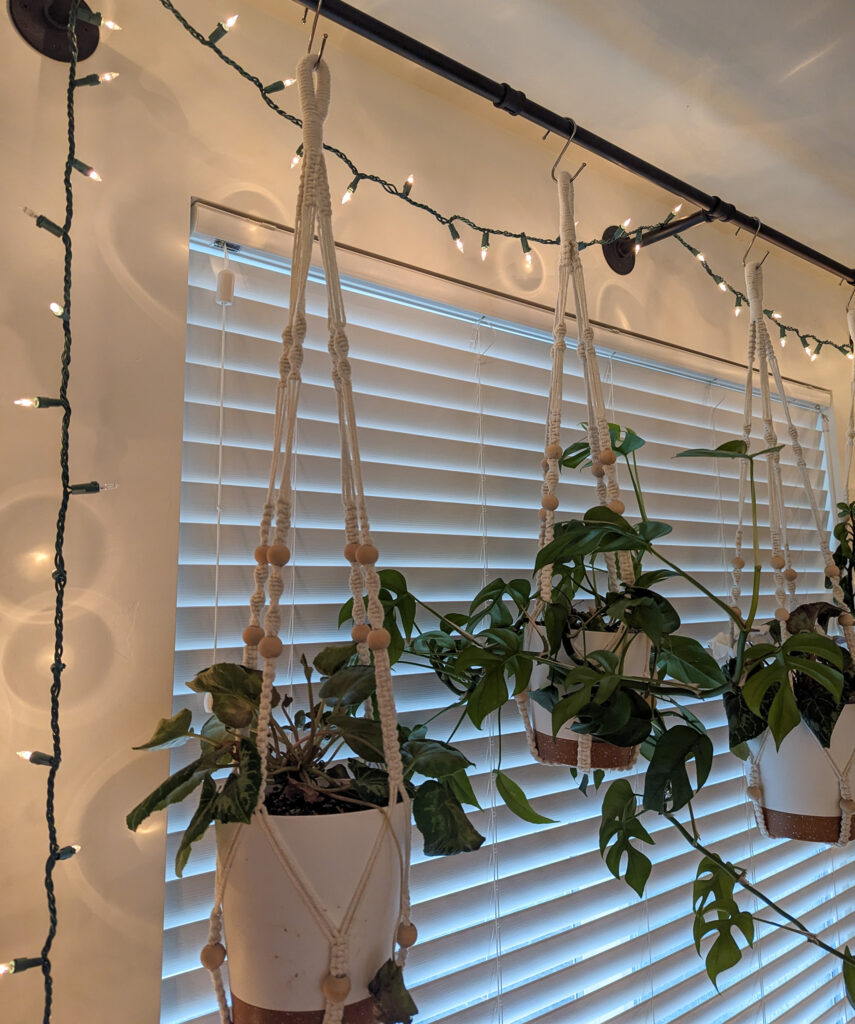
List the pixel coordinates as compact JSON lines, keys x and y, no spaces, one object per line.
{"x":712,"y":898}
{"x":226,"y":677}
{"x":666,"y":785}
{"x":631,"y":442}
{"x":618,"y":827}
{"x":736,"y":449}
{"x":650,"y":529}
{"x":654,"y":576}
{"x":742,"y":723}
{"x":198,"y":824}
{"x":849,"y":977}
{"x":349,"y":686}
{"x":433,"y":758}
{"x":783,"y":714}
{"x":442,"y":821}
{"x":517,"y":801}
{"x":346,"y":612}
{"x":569,"y":707}
{"x":363,"y":735}
{"x":170,"y":732}
{"x":461,"y":787}
{"x":393,"y":1004}
{"x":332,"y":658}
{"x":489,"y":695}
{"x":214,"y":730}
{"x":238,"y":797}
{"x":685,"y":660}
{"x":393,"y":580}
{"x":812,"y":643}
{"x":173,"y":790}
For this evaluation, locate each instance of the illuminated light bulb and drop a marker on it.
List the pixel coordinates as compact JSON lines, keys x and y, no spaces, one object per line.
{"x":626,"y":223}
{"x":351,"y":188}
{"x":56,"y":309}
{"x":90,"y":172}
{"x":813,"y":357}
{"x":808,"y":353}
{"x":408,"y":186}
{"x":98,"y":19}
{"x":677,"y":209}
{"x":96,"y":79}
{"x":776,"y":315}
{"x":526,"y":248}
{"x":455,"y":234}
{"x":485,"y":245}
{"x":701,"y":257}
{"x":783,"y":337}
{"x":39,"y":402}
{"x":278,"y":86}
{"x":850,"y":354}
{"x":222,"y":28}
{"x":20,"y":963}
{"x":738,"y":306}
{"x":35,"y":757}
{"x":297,"y":157}
{"x":112,"y":26}
{"x":637,"y":248}
{"x":722,"y":286}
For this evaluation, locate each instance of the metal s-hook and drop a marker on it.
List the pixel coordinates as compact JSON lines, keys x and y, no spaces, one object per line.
{"x":321,"y":51}
{"x":851,"y":297}
{"x":751,"y":244}
{"x":564,"y":150}
{"x":314,"y":26}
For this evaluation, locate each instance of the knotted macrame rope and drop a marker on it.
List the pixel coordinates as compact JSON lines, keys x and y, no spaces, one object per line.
{"x":603,"y":458}
{"x":314,"y":214}
{"x":850,"y":426}
{"x":760,"y":347}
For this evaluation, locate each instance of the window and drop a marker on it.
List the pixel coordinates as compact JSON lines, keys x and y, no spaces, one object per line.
{"x":451,"y":401}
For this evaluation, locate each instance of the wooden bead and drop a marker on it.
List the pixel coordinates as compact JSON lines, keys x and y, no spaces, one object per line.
{"x":213,"y":955}
{"x":608,"y":457}
{"x":781,"y":614}
{"x":270,"y":647}
{"x":278,"y":554}
{"x":335,"y":989}
{"x":542,"y":513}
{"x":617,"y":506}
{"x":553,"y":451}
{"x":549,"y":501}
{"x":845,"y":619}
{"x":360,"y":632}
{"x":260,"y":554}
{"x":379,"y":639}
{"x":737,"y":562}
{"x":754,"y":793}
{"x":777,"y":561}
{"x":832,"y":571}
{"x":848,"y":806}
{"x":367,"y":554}
{"x":598,"y":469}
{"x":253,"y":635}
{"x":790,"y":574}
{"x":544,"y":464}
{"x":350,"y":551}
{"x":407,"y":934}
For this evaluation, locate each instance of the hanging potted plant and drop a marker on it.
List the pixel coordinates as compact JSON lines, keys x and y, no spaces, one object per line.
{"x":327,"y":791}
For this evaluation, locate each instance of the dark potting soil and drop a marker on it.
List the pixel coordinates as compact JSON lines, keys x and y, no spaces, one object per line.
{"x":291,"y":798}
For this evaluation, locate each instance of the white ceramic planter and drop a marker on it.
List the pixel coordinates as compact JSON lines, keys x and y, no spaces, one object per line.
{"x":278,"y":956}
{"x":795,"y":789}
{"x":568,"y":747}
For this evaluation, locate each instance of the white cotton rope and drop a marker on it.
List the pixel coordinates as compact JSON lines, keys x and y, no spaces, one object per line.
{"x":314,"y":215}
{"x":603,"y":458}
{"x":760,"y":345}
{"x":850,"y":427}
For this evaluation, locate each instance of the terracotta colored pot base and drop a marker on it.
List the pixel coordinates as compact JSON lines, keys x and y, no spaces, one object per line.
{"x":603,"y":755}
{"x":355,"y":1013}
{"x":807,"y":827}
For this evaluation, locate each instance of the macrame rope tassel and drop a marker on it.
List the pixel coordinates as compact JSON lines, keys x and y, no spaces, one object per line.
{"x":314,"y":215}
{"x":850,"y":427}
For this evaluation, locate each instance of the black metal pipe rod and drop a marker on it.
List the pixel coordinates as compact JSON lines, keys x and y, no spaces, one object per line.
{"x":674,"y":228}
{"x":516,"y":103}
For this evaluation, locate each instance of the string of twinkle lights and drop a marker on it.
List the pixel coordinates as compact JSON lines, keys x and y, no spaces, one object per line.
{"x":62,"y":311}
{"x":404,"y":193}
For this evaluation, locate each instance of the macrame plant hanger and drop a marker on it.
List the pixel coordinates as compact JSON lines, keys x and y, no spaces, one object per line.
{"x":314,"y":215}
{"x":850,"y":426}
{"x":761,"y":351}
{"x":603,"y":458}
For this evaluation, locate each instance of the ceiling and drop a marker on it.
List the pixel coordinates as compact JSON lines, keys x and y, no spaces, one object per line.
{"x":750,"y":101}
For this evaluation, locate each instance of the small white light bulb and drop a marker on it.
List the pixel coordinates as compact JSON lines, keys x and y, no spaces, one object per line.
{"x":108,"y":76}
{"x":26,"y":403}
{"x":701,"y":257}
{"x":776,"y":315}
{"x":850,"y":355}
{"x":637,"y":248}
{"x":626,"y":223}
{"x":722,"y":286}
{"x":111,"y":25}
{"x":231,"y":22}
{"x":459,"y":243}
{"x":677,"y":209}
{"x":56,"y":309}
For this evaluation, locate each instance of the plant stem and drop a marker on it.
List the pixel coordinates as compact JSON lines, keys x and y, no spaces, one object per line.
{"x":636,"y":486}
{"x":442,"y":618}
{"x":739,"y":876}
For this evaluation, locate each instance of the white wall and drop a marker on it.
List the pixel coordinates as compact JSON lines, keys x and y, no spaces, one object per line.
{"x":176,"y":124}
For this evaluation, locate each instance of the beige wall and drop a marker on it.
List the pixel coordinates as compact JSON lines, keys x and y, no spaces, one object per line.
{"x":177,"y":124}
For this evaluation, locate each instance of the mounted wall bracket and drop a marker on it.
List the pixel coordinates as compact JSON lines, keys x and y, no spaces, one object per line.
{"x":619,"y":248}
{"x":44,"y":25}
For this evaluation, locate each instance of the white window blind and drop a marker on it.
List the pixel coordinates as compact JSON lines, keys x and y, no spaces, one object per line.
{"x":450,"y":403}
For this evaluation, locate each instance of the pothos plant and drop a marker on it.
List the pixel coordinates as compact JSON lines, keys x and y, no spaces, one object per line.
{"x":322,"y":758}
